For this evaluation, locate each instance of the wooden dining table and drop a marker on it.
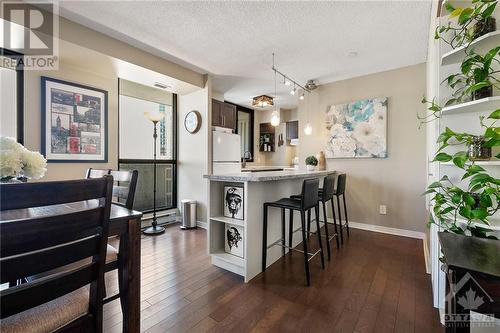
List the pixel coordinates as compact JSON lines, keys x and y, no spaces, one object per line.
{"x":124,"y":223}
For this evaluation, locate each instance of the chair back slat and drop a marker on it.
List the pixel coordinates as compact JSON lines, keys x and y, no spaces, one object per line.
{"x":40,"y":238}
{"x":309,"y":194}
{"x":45,"y":289}
{"x":341,"y":183}
{"x":27,"y":195}
{"x":32,"y":234}
{"x":328,"y":187}
{"x":124,"y":186}
{"x":48,"y":259}
{"x":96,"y":173}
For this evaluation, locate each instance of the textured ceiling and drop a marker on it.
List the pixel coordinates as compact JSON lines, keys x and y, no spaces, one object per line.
{"x":234,"y":40}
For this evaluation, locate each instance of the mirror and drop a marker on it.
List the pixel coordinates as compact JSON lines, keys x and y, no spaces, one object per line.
{"x":245,"y":128}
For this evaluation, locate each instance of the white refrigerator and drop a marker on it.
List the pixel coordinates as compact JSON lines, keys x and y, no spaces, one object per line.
{"x":226,"y":151}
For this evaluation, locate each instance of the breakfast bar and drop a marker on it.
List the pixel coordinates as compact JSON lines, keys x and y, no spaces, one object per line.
{"x":235,"y":211}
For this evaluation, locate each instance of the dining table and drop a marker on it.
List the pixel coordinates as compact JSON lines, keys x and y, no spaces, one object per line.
{"x":123,"y":222}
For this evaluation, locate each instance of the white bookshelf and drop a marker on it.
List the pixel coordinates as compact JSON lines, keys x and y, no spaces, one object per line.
{"x":482,"y":163}
{"x":480,"y":45}
{"x":217,"y":229}
{"x":228,"y":220}
{"x":477,"y":106}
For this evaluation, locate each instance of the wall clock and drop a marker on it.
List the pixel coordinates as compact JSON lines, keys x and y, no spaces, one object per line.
{"x":192,"y":122}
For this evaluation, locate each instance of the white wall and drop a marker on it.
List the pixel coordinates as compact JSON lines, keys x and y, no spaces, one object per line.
{"x":193,"y":154}
{"x":396,"y":181}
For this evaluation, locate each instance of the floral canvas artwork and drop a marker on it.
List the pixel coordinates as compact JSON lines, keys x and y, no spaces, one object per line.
{"x":357,"y":129}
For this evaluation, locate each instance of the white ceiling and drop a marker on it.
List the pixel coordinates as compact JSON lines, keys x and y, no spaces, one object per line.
{"x":234,"y":40}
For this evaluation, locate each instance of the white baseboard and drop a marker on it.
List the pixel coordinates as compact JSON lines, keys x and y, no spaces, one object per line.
{"x":202,"y":225}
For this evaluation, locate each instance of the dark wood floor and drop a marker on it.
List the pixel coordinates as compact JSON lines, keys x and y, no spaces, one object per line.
{"x":375,"y":283}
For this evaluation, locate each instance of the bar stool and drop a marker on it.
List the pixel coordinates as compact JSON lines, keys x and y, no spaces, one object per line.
{"x":308,"y":200}
{"x":324,"y":195}
{"x":340,"y":191}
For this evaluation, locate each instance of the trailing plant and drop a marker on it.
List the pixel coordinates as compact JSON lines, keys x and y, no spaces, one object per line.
{"x":465,"y":206}
{"x":463,"y":32}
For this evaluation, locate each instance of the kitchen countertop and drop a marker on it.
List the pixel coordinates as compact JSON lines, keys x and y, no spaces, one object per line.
{"x":266,"y":176}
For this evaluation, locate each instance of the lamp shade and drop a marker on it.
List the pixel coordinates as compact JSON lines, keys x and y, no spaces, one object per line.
{"x":154,"y":116}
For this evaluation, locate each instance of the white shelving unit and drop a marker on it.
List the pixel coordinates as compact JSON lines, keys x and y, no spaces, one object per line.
{"x":480,"y":45}
{"x":482,"y":163}
{"x":216,"y":228}
{"x":462,"y":117}
{"x":480,"y":105}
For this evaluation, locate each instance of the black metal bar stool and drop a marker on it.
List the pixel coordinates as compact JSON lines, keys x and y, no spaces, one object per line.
{"x":340,"y":192}
{"x":308,"y":200}
{"x":324,"y":195}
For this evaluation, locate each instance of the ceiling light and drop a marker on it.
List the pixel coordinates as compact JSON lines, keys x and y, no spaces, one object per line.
{"x":292,"y":92}
{"x":161,"y":85}
{"x":275,"y":118}
{"x":262,"y":101}
{"x":287,"y":83}
{"x":301,"y":97}
{"x":308,"y":129}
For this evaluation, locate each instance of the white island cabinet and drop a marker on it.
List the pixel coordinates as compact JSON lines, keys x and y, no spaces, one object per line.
{"x":244,"y":228}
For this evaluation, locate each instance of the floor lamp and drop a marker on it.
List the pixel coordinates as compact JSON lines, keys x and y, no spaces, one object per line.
{"x":154,"y":229}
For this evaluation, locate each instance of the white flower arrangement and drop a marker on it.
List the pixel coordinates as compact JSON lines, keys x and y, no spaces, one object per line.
{"x":17,"y":161}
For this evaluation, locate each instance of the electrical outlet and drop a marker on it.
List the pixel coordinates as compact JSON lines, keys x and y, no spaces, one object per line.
{"x":383,"y":209}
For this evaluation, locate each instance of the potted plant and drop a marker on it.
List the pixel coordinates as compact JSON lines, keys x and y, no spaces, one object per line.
{"x":311,"y":163}
{"x":17,"y":164}
{"x":465,"y":206}
{"x":471,"y":23}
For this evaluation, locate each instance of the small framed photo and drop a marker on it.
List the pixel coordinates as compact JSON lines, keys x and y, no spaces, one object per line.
{"x":233,"y":202}
{"x":234,"y":240}
{"x":74,"y":122}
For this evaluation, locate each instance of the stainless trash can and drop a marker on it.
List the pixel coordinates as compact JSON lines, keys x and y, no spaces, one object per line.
{"x":188,"y":213}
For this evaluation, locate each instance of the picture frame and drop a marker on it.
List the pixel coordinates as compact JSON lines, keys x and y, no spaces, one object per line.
{"x":233,"y":200}
{"x":234,"y":240}
{"x":74,"y":122}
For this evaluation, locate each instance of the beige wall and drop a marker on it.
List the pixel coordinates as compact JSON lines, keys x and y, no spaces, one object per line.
{"x":396,"y":181}
{"x":193,"y":159}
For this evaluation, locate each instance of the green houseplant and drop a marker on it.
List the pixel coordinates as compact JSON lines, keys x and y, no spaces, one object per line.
{"x":465,"y":206}
{"x":311,"y":162}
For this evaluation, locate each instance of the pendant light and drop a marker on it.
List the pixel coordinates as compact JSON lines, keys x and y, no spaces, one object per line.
{"x":275,"y":116}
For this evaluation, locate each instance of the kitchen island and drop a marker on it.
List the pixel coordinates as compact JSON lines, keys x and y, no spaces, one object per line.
{"x":245,"y":193}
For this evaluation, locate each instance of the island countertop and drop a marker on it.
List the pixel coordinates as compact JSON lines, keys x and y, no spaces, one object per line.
{"x":266,"y":176}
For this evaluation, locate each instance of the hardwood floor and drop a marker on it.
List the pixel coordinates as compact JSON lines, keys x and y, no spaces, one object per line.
{"x":375,"y":283}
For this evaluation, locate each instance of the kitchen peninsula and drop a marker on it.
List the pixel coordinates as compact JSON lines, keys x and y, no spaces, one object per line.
{"x":253,"y":188}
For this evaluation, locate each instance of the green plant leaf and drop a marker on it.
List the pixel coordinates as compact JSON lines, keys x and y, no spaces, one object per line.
{"x":435,"y":185}
{"x":495,"y":114}
{"x":479,"y":213}
{"x":460,"y":158}
{"x":489,"y":10}
{"x":477,"y":86}
{"x":464,"y":15}
{"x":466,"y":212}
{"x":456,"y":198}
{"x":468,"y":199}
{"x":442,"y":157}
{"x":456,"y":12}
{"x":485,"y":200}
{"x":447,"y":210}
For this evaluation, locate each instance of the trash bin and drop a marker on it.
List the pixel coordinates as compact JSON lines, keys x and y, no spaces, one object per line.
{"x":188,"y":213}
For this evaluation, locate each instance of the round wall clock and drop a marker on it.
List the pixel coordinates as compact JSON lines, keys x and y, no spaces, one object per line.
{"x":192,"y":122}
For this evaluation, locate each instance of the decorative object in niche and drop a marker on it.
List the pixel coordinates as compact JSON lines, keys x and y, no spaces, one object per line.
{"x":233,"y":202}
{"x":74,"y":122}
{"x":357,"y":129}
{"x":477,"y":149}
{"x":322,"y":161}
{"x":234,"y":240}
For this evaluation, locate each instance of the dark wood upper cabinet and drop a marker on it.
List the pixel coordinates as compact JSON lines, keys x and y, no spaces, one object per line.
{"x":223,"y":114}
{"x":292,"y":130}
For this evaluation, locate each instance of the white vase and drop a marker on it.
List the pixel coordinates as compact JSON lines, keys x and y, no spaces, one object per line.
{"x":310,"y":167}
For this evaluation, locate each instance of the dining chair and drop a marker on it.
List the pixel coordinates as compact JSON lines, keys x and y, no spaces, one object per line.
{"x":38,"y":239}
{"x":125,"y":183}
